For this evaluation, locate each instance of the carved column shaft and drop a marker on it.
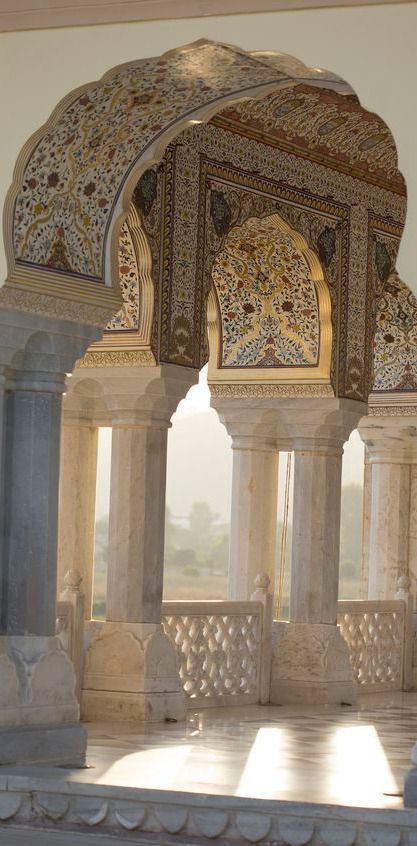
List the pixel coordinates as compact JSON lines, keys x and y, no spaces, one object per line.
{"x":137,"y":522}
{"x":254,"y":514}
{"x":311,"y":660}
{"x":253,"y":525}
{"x":316,"y":532}
{"x":77,"y":501}
{"x":391,"y":503}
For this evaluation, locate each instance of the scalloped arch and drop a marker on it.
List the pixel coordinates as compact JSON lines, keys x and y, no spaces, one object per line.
{"x":306,"y":353}
{"x":75,"y":176}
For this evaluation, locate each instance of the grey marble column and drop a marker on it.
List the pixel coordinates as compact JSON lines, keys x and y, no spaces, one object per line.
{"x":31,"y":514}
{"x":37,"y":680}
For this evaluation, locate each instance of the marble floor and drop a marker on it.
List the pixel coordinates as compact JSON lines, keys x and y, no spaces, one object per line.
{"x":355,"y":756}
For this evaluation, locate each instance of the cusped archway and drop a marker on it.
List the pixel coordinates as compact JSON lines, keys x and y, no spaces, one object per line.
{"x":270,"y":309}
{"x":74,"y":178}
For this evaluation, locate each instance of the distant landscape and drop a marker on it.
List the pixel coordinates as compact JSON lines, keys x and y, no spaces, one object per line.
{"x":197,"y":553}
{"x":198,"y":495}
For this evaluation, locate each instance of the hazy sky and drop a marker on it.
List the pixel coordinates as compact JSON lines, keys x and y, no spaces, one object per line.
{"x":200,"y":459}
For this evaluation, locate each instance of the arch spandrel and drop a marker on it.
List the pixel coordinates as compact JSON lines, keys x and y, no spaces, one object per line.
{"x":395,"y":345}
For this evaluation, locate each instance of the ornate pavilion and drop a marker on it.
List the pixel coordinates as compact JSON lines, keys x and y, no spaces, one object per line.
{"x":221,"y":206}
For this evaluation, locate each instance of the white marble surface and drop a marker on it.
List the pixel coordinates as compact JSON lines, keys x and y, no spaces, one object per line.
{"x":349,"y":756}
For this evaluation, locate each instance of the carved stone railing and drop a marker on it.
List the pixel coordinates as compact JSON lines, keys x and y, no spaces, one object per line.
{"x":70,"y":623}
{"x":377,"y":634}
{"x":223,"y":648}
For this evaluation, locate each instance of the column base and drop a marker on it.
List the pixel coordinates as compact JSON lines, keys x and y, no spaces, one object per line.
{"x":310,"y":665}
{"x":38,"y":710}
{"x":410,"y":782}
{"x":131,"y":674}
{"x":118,"y":706}
{"x":56,"y":745}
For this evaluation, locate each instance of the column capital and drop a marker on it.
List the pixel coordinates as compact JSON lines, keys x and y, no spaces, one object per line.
{"x":130,"y":396}
{"x":320,"y":424}
{"x":299,"y":423}
{"x":251,"y":423}
{"x":390,"y":440}
{"x":36,"y":352}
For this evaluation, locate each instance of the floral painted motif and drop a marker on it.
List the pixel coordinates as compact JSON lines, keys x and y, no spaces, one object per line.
{"x":128,"y":316}
{"x":395,"y":346}
{"x":268,"y":302}
{"x":258,"y":179}
{"x":78,"y":168}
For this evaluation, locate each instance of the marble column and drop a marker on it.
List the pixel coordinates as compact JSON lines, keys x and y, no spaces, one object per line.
{"x":311,"y":660}
{"x":366,"y":525}
{"x":253,"y":521}
{"x":77,"y":501}
{"x":316,"y":530}
{"x":131,"y":671}
{"x":391,"y":444}
{"x":2,"y":478}
{"x":37,"y":682}
{"x":137,"y":519}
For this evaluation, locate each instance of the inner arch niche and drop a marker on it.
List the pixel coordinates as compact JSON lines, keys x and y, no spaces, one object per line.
{"x":269,"y":310}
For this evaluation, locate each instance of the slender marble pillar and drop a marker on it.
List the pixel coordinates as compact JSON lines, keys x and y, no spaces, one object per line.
{"x":316,"y":532}
{"x":77,"y":501}
{"x":253,"y":514}
{"x":311,"y":660}
{"x":3,"y":583}
{"x":392,"y":451}
{"x":131,"y":668}
{"x":137,"y":521}
{"x":366,"y":525}
{"x":253,"y":522}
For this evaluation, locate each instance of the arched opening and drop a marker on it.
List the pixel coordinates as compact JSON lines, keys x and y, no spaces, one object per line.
{"x":273,"y":308}
{"x":260,"y":186}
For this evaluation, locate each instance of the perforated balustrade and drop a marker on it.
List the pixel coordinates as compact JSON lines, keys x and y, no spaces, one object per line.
{"x":375,"y":633}
{"x":219,"y":649}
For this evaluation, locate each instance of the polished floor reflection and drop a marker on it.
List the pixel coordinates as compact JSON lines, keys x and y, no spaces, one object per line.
{"x":354,"y":756}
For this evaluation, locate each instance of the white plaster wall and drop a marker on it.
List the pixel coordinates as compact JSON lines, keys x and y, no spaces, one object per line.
{"x":373,"y":47}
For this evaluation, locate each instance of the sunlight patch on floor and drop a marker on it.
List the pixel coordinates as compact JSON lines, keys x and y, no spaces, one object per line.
{"x":262,"y":775}
{"x":362,"y":766}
